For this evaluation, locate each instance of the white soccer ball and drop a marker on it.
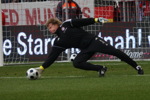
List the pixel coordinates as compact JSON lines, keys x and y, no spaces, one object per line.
{"x":72,"y":57}
{"x":32,"y":74}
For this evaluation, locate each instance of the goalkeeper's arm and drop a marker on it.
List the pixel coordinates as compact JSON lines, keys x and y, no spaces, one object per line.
{"x":86,"y":21}
{"x":51,"y":58}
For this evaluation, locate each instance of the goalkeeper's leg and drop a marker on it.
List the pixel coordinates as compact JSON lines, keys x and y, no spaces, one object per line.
{"x":121,"y":55}
{"x":81,"y":62}
{"x":108,"y":49}
{"x":99,"y":45}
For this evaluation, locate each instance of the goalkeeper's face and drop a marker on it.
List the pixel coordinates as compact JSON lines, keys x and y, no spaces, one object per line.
{"x":52,"y":28}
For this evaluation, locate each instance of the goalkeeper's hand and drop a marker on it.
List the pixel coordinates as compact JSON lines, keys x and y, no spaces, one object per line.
{"x":40,"y":69}
{"x":101,"y":19}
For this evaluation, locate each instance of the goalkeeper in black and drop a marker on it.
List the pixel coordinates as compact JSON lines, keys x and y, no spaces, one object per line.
{"x":71,"y":35}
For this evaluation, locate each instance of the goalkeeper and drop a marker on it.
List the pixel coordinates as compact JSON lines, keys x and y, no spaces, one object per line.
{"x":71,"y":35}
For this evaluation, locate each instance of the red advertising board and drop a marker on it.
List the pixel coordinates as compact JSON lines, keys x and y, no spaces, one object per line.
{"x":104,"y":11}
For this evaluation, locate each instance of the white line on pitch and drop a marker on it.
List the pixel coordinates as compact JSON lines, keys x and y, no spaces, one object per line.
{"x":71,"y":76}
{"x":46,"y":77}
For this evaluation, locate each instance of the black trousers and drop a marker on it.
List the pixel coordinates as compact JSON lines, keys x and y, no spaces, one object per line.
{"x":101,"y":46}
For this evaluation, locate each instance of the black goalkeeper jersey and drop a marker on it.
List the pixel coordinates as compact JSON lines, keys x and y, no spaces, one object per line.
{"x":70,"y":34}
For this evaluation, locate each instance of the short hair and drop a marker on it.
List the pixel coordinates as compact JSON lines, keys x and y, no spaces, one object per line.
{"x":53,"y":21}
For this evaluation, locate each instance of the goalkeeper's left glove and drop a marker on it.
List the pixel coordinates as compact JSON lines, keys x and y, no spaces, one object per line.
{"x":101,"y":19}
{"x":40,"y":69}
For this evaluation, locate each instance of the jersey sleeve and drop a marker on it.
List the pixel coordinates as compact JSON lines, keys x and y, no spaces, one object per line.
{"x":78,"y":22}
{"x":82,"y":22}
{"x":55,"y":52}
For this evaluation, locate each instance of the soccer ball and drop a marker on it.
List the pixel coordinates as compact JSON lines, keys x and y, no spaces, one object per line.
{"x":32,"y":74}
{"x":72,"y":57}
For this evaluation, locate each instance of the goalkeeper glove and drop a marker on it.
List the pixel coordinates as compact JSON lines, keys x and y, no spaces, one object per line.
{"x":101,"y":19}
{"x":40,"y":69}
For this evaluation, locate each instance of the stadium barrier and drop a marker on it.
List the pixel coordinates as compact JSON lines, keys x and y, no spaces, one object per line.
{"x":26,"y":39}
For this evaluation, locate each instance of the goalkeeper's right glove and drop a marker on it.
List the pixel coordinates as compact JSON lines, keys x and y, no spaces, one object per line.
{"x":101,"y":19}
{"x":40,"y":69}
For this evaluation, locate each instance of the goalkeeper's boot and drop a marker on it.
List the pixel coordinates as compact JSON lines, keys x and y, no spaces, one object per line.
{"x":40,"y":69}
{"x":140,"y":70}
{"x":102,"y":71}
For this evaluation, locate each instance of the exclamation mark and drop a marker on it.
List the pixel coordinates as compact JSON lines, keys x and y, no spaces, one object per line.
{"x":149,"y":40}
{"x":139,"y":37}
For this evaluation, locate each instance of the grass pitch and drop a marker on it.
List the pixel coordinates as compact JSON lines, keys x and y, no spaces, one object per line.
{"x":62,"y":81}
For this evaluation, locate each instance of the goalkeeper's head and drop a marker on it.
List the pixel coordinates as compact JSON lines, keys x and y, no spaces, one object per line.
{"x":52,"y":24}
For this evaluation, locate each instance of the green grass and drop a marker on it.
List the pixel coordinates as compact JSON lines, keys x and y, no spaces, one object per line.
{"x":62,"y":81}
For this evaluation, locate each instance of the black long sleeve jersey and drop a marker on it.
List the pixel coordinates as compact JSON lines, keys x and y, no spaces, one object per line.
{"x":70,"y":34}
